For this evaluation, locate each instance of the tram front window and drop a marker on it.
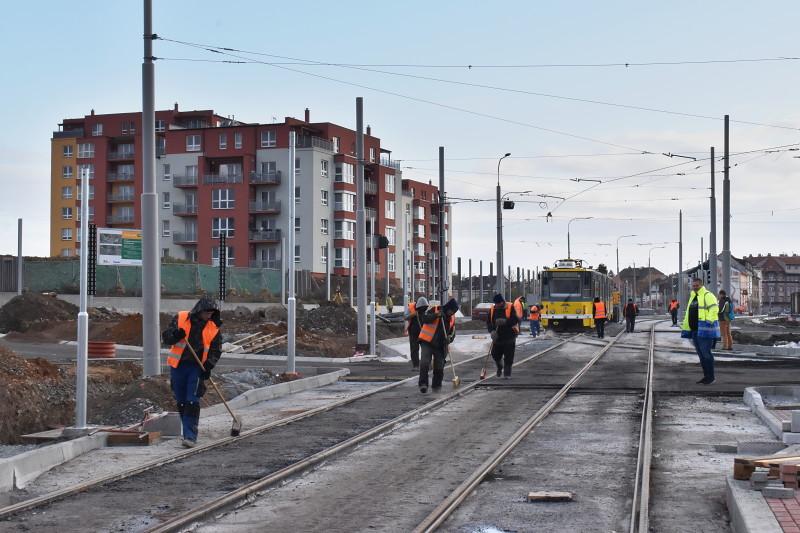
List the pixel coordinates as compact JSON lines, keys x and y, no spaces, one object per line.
{"x":565,"y":285}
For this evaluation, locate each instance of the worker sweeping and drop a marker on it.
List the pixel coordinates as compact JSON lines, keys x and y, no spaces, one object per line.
{"x":414,"y":326}
{"x":200,"y":329}
{"x":503,"y":325}
{"x":438,"y":331}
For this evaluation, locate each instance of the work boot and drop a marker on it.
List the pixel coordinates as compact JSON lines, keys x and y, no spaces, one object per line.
{"x":188,"y":443}
{"x":423,"y":389}
{"x":499,"y":371}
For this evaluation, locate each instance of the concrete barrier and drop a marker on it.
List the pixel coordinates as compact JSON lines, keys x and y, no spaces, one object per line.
{"x":748,"y":509}
{"x":754,"y":399}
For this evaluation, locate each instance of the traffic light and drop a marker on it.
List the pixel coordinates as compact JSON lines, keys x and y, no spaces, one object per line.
{"x":708,"y":277}
{"x":508,"y":204}
{"x":381,"y":242}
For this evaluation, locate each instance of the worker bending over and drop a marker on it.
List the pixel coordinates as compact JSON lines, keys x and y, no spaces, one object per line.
{"x":437,"y":333}
{"x":503,"y":324}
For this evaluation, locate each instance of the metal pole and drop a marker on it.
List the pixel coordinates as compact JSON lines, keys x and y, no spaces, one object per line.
{"x":510,"y":284}
{"x":82,"y":359}
{"x":712,"y":243}
{"x":726,"y":214}
{"x":371,"y":241}
{"x":151,"y":268}
{"x":371,"y":311}
{"x":283,"y":270}
{"x":569,"y":252}
{"x":386,"y":270}
{"x":635,"y":289}
{"x":328,"y":271}
{"x":480,"y":277}
{"x":491,"y":267}
{"x":19,"y":252}
{"x":291,"y":338}
{"x":469,"y":267}
{"x":405,"y":280}
{"x":500,"y":284}
{"x":350,"y":263}
{"x":681,"y":295}
{"x":361,"y":227}
{"x":460,"y":281}
{"x":444,"y":285}
{"x":373,"y":306}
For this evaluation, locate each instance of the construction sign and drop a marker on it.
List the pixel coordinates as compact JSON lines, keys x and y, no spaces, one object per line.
{"x":119,"y":247}
{"x":615,"y":299}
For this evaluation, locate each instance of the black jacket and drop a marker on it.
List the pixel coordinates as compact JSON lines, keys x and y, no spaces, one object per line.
{"x":415,"y":323}
{"x":439,"y":341}
{"x":506,"y":332}
{"x":173,"y":334}
{"x":630,"y":310}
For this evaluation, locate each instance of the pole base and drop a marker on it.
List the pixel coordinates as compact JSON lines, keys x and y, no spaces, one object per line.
{"x":361,"y":348}
{"x":75,"y":432}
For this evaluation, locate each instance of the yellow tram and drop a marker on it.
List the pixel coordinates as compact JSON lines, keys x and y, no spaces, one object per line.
{"x":567,"y":292}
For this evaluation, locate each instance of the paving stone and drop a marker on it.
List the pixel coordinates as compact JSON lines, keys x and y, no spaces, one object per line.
{"x":771,"y":491}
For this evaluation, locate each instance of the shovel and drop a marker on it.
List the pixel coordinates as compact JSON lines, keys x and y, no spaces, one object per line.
{"x":236,"y":426}
{"x":456,"y":379}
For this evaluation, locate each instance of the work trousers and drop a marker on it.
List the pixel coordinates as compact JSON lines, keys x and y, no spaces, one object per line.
{"x":674,"y":314}
{"x":428,"y":355}
{"x":703,"y":346}
{"x":503,"y":355}
{"x":185,"y":381}
{"x":725,"y":333}
{"x":413,"y":341}
{"x":600,"y":326}
{"x":630,"y":324}
{"x":535,"y":328}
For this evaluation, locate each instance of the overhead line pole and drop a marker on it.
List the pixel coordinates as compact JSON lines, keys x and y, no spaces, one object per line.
{"x":443,"y":274}
{"x":712,"y":242}
{"x":726,"y":214}
{"x":361,"y":230}
{"x":681,"y":293}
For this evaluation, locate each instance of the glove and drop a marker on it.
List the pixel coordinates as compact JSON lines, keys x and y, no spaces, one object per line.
{"x":201,"y":389}
{"x":500,"y":322}
{"x":181,"y":334}
{"x":494,"y":336}
{"x":206,"y":374}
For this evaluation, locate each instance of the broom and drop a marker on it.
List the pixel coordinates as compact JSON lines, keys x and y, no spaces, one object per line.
{"x":236,"y":426}
{"x":456,"y":379}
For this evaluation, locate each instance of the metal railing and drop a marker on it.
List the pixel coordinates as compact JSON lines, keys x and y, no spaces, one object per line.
{"x":123,"y":176}
{"x":434,"y":237}
{"x":407,"y":193}
{"x":265,"y":178}
{"x":370,"y":187}
{"x":307,"y":141}
{"x":117,"y":156}
{"x":341,"y":206}
{"x":434,"y":219}
{"x":184,"y":181}
{"x":342,"y":234}
{"x":270,"y":235}
{"x":119,"y":219}
{"x":184,"y":238}
{"x":121,"y":197}
{"x":209,"y":179}
{"x":389,"y":163}
{"x":265,"y":207}
{"x":184,"y":210}
{"x":271,"y":264}
{"x":369,"y":212}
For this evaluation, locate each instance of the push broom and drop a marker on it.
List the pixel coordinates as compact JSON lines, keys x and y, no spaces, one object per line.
{"x":236,"y":426}
{"x":456,"y":379}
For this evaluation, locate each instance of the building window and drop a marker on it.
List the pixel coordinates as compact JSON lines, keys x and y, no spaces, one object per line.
{"x":420,"y":248}
{"x":129,"y":127}
{"x":165,"y":229}
{"x":421,"y":267}
{"x":167,"y":172}
{"x":345,"y":173}
{"x":421,"y":212}
{"x":341,"y":257}
{"x":389,"y":186}
{"x":237,"y":140}
{"x":191,"y":171}
{"x":229,"y":257}
{"x":269,"y":168}
{"x":336,"y":141}
{"x":66,"y":234}
{"x":296,"y":253}
{"x":323,"y":197}
{"x":66,"y":171}
{"x":372,"y":155}
{"x":161,"y":126}
{"x":67,"y":150}
{"x":221,"y":226}
{"x":166,"y":201}
{"x":344,"y":229}
{"x":97,"y":130}
{"x":323,"y":255}
{"x":91,"y":192}
{"x":86,"y":150}
{"x":297,"y":195}
{"x":223,"y":199}
{"x":421,"y":285}
{"x":390,"y":235}
{"x":296,"y":166}
{"x":391,"y":262}
{"x":389,"y":211}
{"x":323,"y":169}
{"x":223,"y":141}
{"x":66,"y":192}
{"x":323,"y":226}
{"x":87,"y":170}
{"x":268,"y":139}
{"x":344,"y":201}
{"x":192,"y":143}
{"x":66,"y":213}
{"x":297,"y":223}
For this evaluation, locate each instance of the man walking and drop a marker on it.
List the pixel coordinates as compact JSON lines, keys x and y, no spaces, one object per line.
{"x":503,"y":324}
{"x":599,"y":315}
{"x":701,"y":324}
{"x":414,"y":326}
{"x":534,"y":320}
{"x":674,"y":305}
{"x":629,"y":312}
{"x":437,"y":332}
{"x":200,"y":329}
{"x":725,"y":315}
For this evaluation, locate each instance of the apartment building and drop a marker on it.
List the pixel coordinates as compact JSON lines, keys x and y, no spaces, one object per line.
{"x":780,"y":278}
{"x":217,"y":175}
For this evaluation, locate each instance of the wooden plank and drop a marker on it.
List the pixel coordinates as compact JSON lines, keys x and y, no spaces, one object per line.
{"x":550,"y":496}
{"x":777,"y":460}
{"x":133,"y":438}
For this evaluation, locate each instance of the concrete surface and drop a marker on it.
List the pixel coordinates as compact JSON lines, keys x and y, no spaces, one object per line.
{"x":748,"y":509}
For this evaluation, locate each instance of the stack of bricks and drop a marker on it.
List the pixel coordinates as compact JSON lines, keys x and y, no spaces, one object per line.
{"x":788,"y":475}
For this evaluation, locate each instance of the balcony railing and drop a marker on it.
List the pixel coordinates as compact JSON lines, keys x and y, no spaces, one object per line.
{"x":184,"y":210}
{"x":184,"y":181}
{"x":121,"y":197}
{"x":121,"y":156}
{"x":370,"y":187}
{"x":265,"y":178}
{"x":434,"y":219}
{"x":342,"y":234}
{"x":119,"y":176}
{"x":407,"y":193}
{"x":265,"y":207}
{"x":271,"y":264}
{"x":307,"y":141}
{"x":389,"y":163}
{"x":369,"y":212}
{"x":265,"y":235}
{"x":119,"y":219}
{"x":184,"y":238}
{"x":434,"y":237}
{"x":342,"y":206}
{"x":210,"y":179}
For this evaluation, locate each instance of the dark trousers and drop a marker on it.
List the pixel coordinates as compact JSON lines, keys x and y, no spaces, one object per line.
{"x":503,"y":355}
{"x":630,"y":324}
{"x":535,"y":328}
{"x":430,"y":355}
{"x":674,"y":314}
{"x":600,"y":326}
{"x":703,"y":348}
{"x":413,"y":341}
{"x":185,"y":382}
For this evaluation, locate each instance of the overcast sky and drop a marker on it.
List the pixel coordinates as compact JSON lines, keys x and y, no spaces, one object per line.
{"x":63,"y":59}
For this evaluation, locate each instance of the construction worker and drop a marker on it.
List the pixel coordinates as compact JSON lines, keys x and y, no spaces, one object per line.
{"x":520,"y":307}
{"x":725,"y":316}
{"x":674,"y":305}
{"x":701,"y":324}
{"x":629,"y":312}
{"x":389,"y":303}
{"x":200,"y":329}
{"x":534,"y":320}
{"x":599,"y":315}
{"x":337,"y":297}
{"x":437,"y":332}
{"x":503,"y":324}
{"x":414,"y":326}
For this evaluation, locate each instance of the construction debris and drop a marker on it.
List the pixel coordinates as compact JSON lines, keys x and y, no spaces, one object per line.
{"x":550,"y":496}
{"x":32,"y":311}
{"x":131,"y":438}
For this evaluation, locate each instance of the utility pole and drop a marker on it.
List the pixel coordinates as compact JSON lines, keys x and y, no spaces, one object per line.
{"x":328,"y":271}
{"x":373,"y":306}
{"x":283,"y":269}
{"x":681,"y":295}
{"x":726,"y":214}
{"x":444,"y":278}
{"x":500,"y":285}
{"x":480,"y":282}
{"x":291,"y":339}
{"x":361,"y":229}
{"x":151,"y":266}
{"x":470,"y":287}
{"x":350,"y":263}
{"x":460,"y":282}
{"x":82,"y":356}
{"x":19,"y":254}
{"x":712,"y":242}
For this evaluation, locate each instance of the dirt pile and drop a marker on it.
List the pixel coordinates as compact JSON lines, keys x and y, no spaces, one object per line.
{"x":33,"y":311}
{"x":329,"y":318}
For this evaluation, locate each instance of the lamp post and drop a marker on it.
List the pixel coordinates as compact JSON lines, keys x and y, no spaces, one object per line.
{"x":500,"y":285}
{"x":569,"y":253}
{"x":650,"y":274}
{"x":618,"y":239}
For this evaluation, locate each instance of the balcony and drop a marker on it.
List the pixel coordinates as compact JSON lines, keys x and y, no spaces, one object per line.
{"x":271,"y":264}
{"x":119,"y":219}
{"x":125,"y":155}
{"x":121,"y":197}
{"x":434,"y":237}
{"x":385,"y":162}
{"x":265,"y":178}
{"x":370,"y":187}
{"x":369,"y":212}
{"x":307,"y":141}
{"x":184,"y":181}
{"x":344,"y":235}
{"x":116,"y":177}
{"x":407,"y":193}
{"x":181,"y":210}
{"x":343,"y":206}
{"x":265,"y":235}
{"x":434,"y":219}
{"x":213,"y":179}
{"x":184,"y":238}
{"x":265,"y":207}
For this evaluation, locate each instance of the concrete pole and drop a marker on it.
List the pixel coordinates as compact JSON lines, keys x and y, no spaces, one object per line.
{"x":19,"y":253}
{"x":82,"y":359}
{"x":373,"y":307}
{"x":291,"y":333}
{"x":283,"y":270}
{"x":444,"y":285}
{"x":681,"y":295}
{"x":151,"y":266}
{"x":460,"y":281}
{"x":500,"y":284}
{"x":361,"y":228}
{"x":351,"y":277}
{"x":328,"y":271}
{"x":469,"y":267}
{"x":726,"y":214}
{"x":712,"y":242}
{"x":480,"y":277}
{"x":405,"y":280}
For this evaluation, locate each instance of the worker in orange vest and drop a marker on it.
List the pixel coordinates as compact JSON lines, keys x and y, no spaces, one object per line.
{"x":414,"y":326}
{"x":199,"y":328}
{"x":503,"y":325}
{"x":534,"y":320}
{"x":599,"y":315}
{"x":438,"y":331}
{"x":674,"y":305}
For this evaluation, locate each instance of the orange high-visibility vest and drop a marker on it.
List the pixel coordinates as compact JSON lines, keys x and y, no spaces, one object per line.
{"x":599,"y":309}
{"x":184,"y":322}
{"x":515,"y":329}
{"x":428,"y":331}
{"x":518,"y":307}
{"x":673,"y":305}
{"x":534,"y":312}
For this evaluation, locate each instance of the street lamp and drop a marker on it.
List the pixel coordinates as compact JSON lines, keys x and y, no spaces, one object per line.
{"x":500,"y":285}
{"x":569,"y":252}
{"x":650,"y":274}
{"x":618,"y":238}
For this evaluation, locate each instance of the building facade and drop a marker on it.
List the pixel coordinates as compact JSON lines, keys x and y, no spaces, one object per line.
{"x":780,"y":278}
{"x":217,"y":175}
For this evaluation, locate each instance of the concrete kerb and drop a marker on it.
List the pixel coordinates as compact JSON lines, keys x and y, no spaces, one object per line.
{"x":753,"y":399}
{"x":748,"y":509}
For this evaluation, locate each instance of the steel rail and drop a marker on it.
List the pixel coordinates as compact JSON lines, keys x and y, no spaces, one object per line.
{"x":242,"y":493}
{"x":451,"y":503}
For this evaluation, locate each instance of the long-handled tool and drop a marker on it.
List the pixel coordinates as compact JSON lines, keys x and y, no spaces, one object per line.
{"x":236,"y":426}
{"x":486,"y":360}
{"x":456,"y":379}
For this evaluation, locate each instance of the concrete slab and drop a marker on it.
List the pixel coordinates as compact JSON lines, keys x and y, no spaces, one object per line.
{"x":748,"y":509}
